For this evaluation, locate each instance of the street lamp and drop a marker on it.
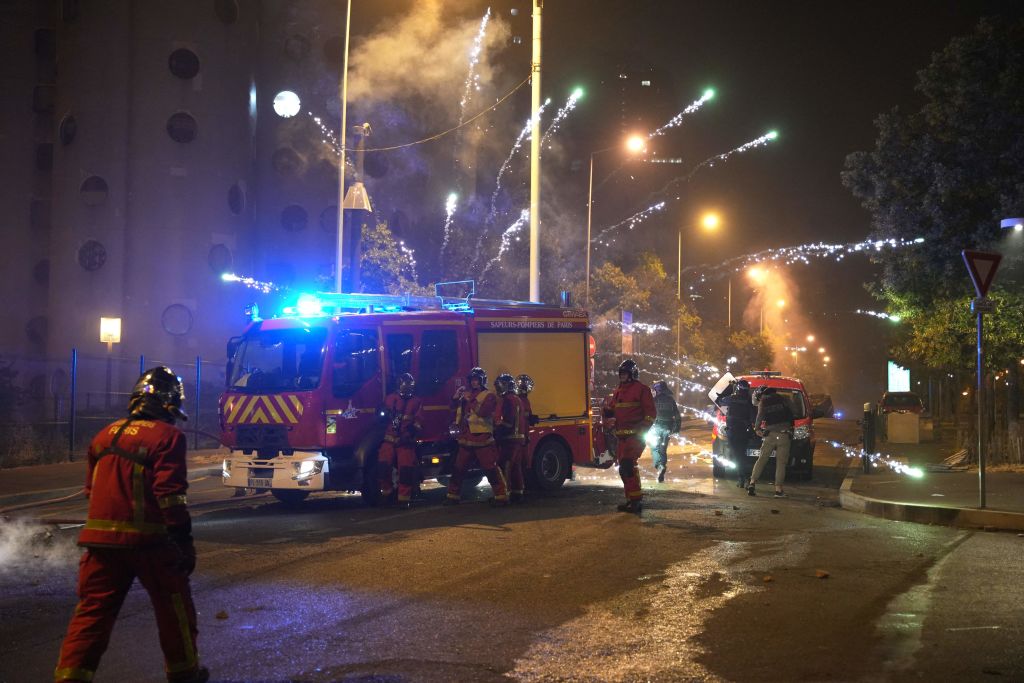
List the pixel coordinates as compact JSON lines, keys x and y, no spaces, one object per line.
{"x":635,"y":144}
{"x":758,"y":276}
{"x":710,"y":222}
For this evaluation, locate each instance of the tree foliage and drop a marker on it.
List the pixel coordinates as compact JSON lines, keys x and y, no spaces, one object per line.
{"x":949,"y":172}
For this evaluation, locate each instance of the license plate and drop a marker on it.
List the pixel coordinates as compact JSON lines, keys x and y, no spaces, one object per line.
{"x":753,"y":452}
{"x":260,"y":483}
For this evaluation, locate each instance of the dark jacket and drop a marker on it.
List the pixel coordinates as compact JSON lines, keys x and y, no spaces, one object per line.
{"x":773,"y":413}
{"x":668,"y":416}
{"x":739,"y":410}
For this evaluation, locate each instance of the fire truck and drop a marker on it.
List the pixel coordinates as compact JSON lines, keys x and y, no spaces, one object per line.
{"x":301,"y":411}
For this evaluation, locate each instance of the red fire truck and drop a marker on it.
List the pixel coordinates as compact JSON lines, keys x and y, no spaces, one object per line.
{"x":301,"y":408}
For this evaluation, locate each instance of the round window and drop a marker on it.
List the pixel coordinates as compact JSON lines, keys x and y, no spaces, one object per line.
{"x":182,"y":127}
{"x":67,"y":130}
{"x":329,"y":219}
{"x":226,"y":10}
{"x":92,"y":255}
{"x":37,"y":329}
{"x":220,"y":259}
{"x":286,"y":161}
{"x":236,"y":199}
{"x":177,"y":320}
{"x":93,"y":190}
{"x":183,"y":63}
{"x":294,"y":218}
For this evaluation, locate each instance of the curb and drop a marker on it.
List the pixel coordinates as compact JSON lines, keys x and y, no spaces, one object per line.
{"x":973,"y":518}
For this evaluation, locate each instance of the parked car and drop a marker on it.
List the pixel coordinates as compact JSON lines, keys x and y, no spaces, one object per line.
{"x":801,"y":452}
{"x":900,"y":402}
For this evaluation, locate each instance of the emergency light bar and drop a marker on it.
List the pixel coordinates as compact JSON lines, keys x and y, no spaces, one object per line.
{"x":332,"y":303}
{"x":767,"y":373}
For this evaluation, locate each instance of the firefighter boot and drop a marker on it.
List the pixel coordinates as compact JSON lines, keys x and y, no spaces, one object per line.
{"x":633,"y":506}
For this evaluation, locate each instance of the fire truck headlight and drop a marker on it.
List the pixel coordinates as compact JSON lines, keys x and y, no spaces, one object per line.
{"x":225,"y":468}
{"x":307,"y":469}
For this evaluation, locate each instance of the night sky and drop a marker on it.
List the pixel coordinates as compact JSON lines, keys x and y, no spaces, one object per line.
{"x":819,"y":73}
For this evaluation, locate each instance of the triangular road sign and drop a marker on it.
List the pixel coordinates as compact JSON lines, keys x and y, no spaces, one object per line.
{"x":982,"y":266}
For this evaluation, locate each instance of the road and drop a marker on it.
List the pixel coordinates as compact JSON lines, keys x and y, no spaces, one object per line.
{"x":707,"y":584}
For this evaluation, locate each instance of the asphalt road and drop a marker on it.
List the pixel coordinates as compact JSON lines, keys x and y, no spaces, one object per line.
{"x":707,"y":584}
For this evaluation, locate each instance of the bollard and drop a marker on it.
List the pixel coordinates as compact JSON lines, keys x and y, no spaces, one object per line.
{"x":868,"y":423}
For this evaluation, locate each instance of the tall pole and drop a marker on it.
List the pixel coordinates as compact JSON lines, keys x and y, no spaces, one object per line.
{"x":979,"y":392}
{"x":535,"y":158}
{"x":590,"y":202}
{"x":341,"y":164}
{"x":729,"y":306}
{"x":679,"y":288}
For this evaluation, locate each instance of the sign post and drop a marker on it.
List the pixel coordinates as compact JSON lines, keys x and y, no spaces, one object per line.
{"x":981,"y":266}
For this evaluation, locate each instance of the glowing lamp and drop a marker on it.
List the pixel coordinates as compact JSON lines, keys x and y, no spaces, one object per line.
{"x":110,"y":330}
{"x":287,"y":104}
{"x":710,"y":221}
{"x":636,"y":144}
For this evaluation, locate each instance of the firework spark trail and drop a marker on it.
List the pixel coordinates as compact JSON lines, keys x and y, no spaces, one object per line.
{"x":410,"y":255}
{"x":258,"y":285}
{"x":640,"y":216}
{"x":506,"y":239}
{"x":631,"y":222}
{"x":569,"y":105}
{"x":524,"y":135}
{"x":449,"y":211}
{"x":884,"y":458}
{"x":472,"y":77}
{"x":800,"y":254}
{"x":329,"y":138}
{"x":878,"y":314}
{"x":677,"y":120}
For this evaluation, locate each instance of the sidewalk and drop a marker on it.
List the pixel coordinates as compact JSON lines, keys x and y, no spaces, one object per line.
{"x":19,"y":485}
{"x":939,"y":497}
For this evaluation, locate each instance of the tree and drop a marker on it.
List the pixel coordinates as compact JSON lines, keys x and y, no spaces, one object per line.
{"x":948,"y":173}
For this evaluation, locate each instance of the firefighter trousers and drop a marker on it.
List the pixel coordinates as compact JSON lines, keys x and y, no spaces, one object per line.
{"x":487,"y":458}
{"x":104,"y":577}
{"x":510,"y":459}
{"x":628,"y":454}
{"x":403,"y":458}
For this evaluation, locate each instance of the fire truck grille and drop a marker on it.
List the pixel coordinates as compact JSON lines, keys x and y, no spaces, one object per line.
{"x":261,"y":437}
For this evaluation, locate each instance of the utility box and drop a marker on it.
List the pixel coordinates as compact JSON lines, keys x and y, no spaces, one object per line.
{"x":903,"y":428}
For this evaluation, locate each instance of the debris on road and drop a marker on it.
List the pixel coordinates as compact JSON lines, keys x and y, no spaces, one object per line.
{"x":221,"y":615}
{"x":821,"y":574}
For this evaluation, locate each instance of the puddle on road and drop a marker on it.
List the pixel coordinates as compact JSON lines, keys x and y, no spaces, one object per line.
{"x":649,"y":633}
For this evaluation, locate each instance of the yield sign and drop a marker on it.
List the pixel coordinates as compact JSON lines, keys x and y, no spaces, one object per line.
{"x":982,"y":266}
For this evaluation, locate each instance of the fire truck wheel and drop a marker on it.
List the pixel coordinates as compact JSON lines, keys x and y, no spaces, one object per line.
{"x":550,"y":466}
{"x":289,"y":496}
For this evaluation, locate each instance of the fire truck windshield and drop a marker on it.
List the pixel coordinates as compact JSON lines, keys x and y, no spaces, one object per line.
{"x":279,"y":360}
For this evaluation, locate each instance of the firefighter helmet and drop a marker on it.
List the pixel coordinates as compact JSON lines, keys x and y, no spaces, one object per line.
{"x":504,"y":383}
{"x":158,"y":394}
{"x":480,"y":374}
{"x":406,"y":385}
{"x":524,"y":384}
{"x":630,"y":367}
{"x":743,"y":385}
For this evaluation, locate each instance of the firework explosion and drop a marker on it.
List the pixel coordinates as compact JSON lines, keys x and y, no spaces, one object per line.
{"x":258,"y":285}
{"x":629,"y":223}
{"x":472,"y":76}
{"x":449,"y":212}
{"x":524,"y":134}
{"x":560,"y":115}
{"x":878,"y":458}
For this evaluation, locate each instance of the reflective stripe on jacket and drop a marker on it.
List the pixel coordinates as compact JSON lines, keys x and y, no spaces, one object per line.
{"x":632,"y":406}
{"x":136,"y":484}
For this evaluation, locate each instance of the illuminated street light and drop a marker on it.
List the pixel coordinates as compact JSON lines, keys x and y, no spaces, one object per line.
{"x":827,"y":359}
{"x":710,"y":221}
{"x":781,"y":303}
{"x":635,"y":144}
{"x":287,"y":104}
{"x":810,"y":337}
{"x":757,"y":275}
{"x":821,"y":349}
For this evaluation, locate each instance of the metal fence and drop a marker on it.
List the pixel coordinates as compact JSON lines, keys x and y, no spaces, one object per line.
{"x":51,"y":408}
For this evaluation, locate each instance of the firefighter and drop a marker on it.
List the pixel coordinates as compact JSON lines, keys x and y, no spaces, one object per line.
{"x":774,"y":424}
{"x":632,"y":406}
{"x":521,"y":463}
{"x":138,"y":526}
{"x":739,"y":425}
{"x":474,"y":410}
{"x":667,"y":423}
{"x":403,"y":414}
{"x":509,"y":435}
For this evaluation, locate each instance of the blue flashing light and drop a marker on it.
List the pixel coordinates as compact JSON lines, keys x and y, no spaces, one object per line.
{"x":308,"y":305}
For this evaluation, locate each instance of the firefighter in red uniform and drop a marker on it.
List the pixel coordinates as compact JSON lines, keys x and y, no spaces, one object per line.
{"x":632,"y":407}
{"x":403,"y":413}
{"x":474,"y":410}
{"x":138,"y":526}
{"x":521,"y":462}
{"x":509,"y":434}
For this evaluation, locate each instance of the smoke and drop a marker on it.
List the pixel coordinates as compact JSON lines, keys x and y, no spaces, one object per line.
{"x":27,"y":545}
{"x":775,"y":307}
{"x":424,"y":55}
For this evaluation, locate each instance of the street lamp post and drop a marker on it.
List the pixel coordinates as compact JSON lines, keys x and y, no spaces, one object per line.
{"x":635,"y":144}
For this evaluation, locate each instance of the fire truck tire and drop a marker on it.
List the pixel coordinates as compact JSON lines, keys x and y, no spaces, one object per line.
{"x":289,"y":496}
{"x":550,"y":466}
